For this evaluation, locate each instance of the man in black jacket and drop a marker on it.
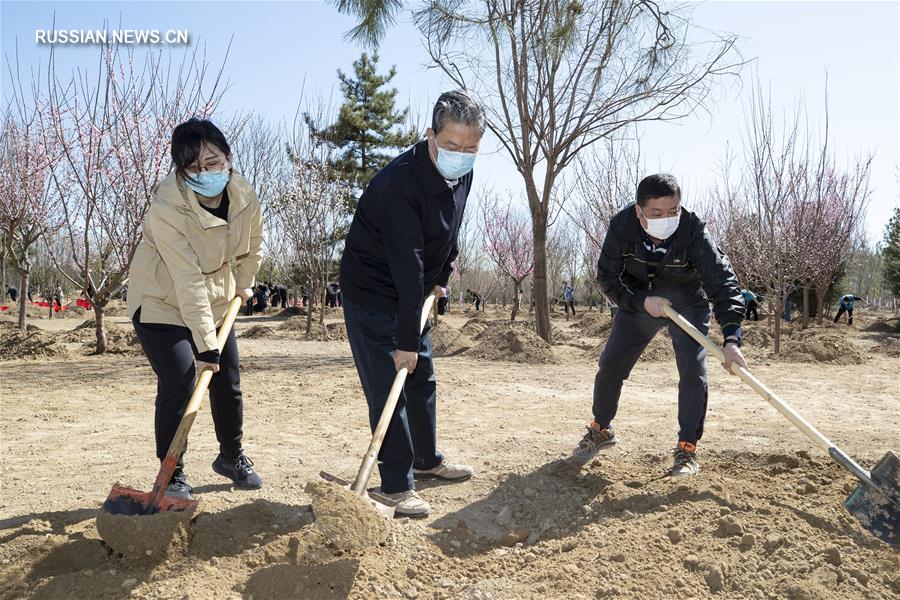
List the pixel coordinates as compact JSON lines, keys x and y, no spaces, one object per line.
{"x":657,"y":253}
{"x":400,"y":247}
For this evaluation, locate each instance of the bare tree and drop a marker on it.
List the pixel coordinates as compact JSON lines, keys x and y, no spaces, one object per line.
{"x":555,"y":76}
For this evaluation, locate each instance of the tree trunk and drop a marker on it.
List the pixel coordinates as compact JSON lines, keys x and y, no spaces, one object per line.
{"x":23,"y":298}
{"x":542,"y":300}
{"x":309,"y":312}
{"x":805,"y":322}
{"x":821,"y":293}
{"x":779,"y":313}
{"x":515,"y":301}
{"x":99,"y":326}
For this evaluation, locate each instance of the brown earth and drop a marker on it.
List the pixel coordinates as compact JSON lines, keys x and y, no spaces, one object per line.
{"x":763,"y":519}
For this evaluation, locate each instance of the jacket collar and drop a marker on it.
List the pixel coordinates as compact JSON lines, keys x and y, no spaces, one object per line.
{"x":632,"y":229}
{"x":177,"y":192}
{"x":421,"y":164}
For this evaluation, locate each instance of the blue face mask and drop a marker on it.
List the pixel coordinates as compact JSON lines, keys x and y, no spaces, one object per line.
{"x":208,"y":183}
{"x":454,"y":165}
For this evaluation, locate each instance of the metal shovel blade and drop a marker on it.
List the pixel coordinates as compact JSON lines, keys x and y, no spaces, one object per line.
{"x":380,"y":503}
{"x":877,"y":507}
{"x":131,"y":502}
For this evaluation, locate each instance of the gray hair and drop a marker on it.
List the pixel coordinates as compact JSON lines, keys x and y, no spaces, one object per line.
{"x":457,"y":107}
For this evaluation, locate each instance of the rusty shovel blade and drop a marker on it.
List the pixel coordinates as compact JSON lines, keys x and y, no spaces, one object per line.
{"x":130,"y":502}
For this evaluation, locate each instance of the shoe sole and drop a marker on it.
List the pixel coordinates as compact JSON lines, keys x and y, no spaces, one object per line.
{"x":424,"y":476}
{"x":601,"y":448}
{"x":398,"y":515}
{"x":240,"y":486}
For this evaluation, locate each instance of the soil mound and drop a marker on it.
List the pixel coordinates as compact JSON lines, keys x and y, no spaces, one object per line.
{"x":820,"y":345}
{"x":883,"y":326}
{"x":447,"y":339}
{"x":319,"y":332}
{"x":119,"y":339}
{"x":292,"y":311}
{"x":143,"y":536}
{"x":116,"y":309}
{"x":33,"y":343}
{"x":513,"y":342}
{"x":474,"y":326}
{"x":890,"y":347}
{"x":346,"y":520}
{"x":259,"y":331}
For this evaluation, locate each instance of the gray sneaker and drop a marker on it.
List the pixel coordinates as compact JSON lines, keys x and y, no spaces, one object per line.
{"x":685,"y":460}
{"x":446,"y":471}
{"x":594,"y":440}
{"x":409,"y":504}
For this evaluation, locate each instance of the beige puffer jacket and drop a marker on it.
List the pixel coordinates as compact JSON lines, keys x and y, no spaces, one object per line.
{"x":189,"y":263}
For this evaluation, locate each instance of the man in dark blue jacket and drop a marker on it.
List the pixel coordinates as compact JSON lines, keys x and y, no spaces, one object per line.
{"x":657,"y":253}
{"x":400,"y":247}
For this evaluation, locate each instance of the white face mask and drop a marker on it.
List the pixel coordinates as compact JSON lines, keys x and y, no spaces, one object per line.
{"x":662,"y":228}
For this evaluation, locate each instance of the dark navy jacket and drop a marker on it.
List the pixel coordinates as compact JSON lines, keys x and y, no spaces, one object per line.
{"x":403,"y":239}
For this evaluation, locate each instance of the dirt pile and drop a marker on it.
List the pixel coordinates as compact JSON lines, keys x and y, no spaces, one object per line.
{"x":820,"y":345}
{"x":32,"y":344}
{"x":883,"y":326}
{"x":143,"y":536}
{"x":345,"y":519}
{"x":258,"y":332}
{"x":512,"y":342}
{"x":328,"y":332}
{"x":474,"y":326}
{"x":292,"y":311}
{"x":447,"y":339}
{"x":889,"y":346}
{"x":119,"y":339}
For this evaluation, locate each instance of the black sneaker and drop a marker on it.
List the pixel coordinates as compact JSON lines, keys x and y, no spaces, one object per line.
{"x":685,"y":460}
{"x":178,"y":487}
{"x":239,"y":470}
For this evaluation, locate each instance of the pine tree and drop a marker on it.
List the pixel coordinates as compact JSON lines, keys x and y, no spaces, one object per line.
{"x":367,"y":130}
{"x":891,"y":265}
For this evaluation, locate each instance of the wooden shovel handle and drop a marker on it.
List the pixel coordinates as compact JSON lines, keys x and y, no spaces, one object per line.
{"x":758,"y":386}
{"x":368,"y":463}
{"x":167,"y":468}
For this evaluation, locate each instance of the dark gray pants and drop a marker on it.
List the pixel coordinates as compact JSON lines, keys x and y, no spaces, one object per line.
{"x":630,"y":334}
{"x":411,"y":436}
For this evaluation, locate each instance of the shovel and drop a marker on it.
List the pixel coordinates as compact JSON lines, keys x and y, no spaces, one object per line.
{"x":382,"y":504}
{"x":876,"y":501}
{"x":128,"y":501}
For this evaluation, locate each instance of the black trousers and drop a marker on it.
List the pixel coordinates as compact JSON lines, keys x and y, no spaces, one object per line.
{"x":630,"y":334}
{"x":570,"y":304}
{"x":752,"y":310}
{"x":841,"y":311}
{"x":411,"y":439}
{"x":170,"y":350}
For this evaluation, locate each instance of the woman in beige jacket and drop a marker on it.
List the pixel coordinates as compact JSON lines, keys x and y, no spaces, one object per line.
{"x":201,"y":247}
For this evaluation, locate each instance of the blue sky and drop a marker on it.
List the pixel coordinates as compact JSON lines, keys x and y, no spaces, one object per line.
{"x":279,"y":46}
